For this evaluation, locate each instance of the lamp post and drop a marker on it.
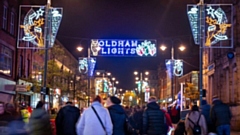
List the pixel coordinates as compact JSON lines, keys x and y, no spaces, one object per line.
{"x":141,"y":84}
{"x":181,"y":48}
{"x":79,"y":48}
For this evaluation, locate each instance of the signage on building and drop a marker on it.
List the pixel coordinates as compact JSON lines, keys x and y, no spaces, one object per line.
{"x":21,"y":88}
{"x":32,"y":29}
{"x":128,"y":48}
{"x":218,"y":24}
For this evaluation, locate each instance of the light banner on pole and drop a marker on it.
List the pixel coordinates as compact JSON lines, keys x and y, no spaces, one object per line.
{"x":174,"y":66}
{"x":218,"y":24}
{"x":86,"y":65}
{"x":31,"y":30}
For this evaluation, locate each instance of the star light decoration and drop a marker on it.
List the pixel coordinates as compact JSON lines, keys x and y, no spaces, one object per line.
{"x":146,"y":48}
{"x":33,"y":26}
{"x":217,"y":26}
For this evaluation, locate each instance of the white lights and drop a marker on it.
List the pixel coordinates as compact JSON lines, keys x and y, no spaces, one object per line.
{"x":163,"y":47}
{"x":79,"y":48}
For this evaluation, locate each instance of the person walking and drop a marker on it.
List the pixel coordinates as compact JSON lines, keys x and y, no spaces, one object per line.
{"x":118,"y":115}
{"x":195,"y":123}
{"x":154,"y":119}
{"x":221,"y":116}
{"x":136,"y":120}
{"x":205,"y":110}
{"x":39,"y":121}
{"x":66,"y":119}
{"x":95,"y":120}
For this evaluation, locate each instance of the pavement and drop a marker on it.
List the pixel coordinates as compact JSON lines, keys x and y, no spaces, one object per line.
{"x":235,"y":133}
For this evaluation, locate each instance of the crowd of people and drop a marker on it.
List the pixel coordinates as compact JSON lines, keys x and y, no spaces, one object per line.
{"x":114,"y":119}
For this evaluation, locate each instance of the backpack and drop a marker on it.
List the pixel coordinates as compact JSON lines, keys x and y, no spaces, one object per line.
{"x":196,"y":128}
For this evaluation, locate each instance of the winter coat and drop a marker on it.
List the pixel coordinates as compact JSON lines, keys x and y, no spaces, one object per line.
{"x":39,"y":123}
{"x":89,"y":124}
{"x":205,"y":110}
{"x":220,"y":113}
{"x":154,"y":120}
{"x":194,"y":115}
{"x":66,"y":120}
{"x":136,"y":121}
{"x":118,"y":118}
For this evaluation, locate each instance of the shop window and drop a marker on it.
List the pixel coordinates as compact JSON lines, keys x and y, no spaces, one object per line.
{"x":4,"y":23}
{"x":12,"y":27}
{"x":6,"y":56}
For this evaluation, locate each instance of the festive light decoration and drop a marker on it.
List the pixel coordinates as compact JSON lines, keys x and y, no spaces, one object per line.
{"x":175,"y":67}
{"x":87,"y":65}
{"x":34,"y":24}
{"x":193,"y":16}
{"x":218,"y":19}
{"x":105,"y":47}
{"x":217,"y":25}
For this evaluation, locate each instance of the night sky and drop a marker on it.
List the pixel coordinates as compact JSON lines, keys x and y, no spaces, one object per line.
{"x":84,"y":20}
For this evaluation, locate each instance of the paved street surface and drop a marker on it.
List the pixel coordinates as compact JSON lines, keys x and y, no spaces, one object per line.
{"x":235,"y":133}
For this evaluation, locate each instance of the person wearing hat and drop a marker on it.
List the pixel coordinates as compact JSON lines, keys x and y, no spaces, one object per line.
{"x":117,"y":114}
{"x":221,"y":116}
{"x":194,"y":117}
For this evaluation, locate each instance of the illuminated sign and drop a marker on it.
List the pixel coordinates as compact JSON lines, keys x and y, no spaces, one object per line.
{"x":87,"y":65}
{"x":32,"y":27}
{"x":108,"y":47}
{"x":217,"y":25}
{"x":193,"y":17}
{"x":174,"y":67}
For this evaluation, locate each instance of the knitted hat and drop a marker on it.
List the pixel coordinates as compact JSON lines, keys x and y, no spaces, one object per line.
{"x":115,"y":100}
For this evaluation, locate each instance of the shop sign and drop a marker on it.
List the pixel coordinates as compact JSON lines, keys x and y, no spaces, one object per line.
{"x":21,"y":88}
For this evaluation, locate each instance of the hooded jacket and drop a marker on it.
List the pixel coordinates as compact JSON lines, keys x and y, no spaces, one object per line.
{"x":66,"y":120}
{"x":118,"y":118}
{"x":220,"y":113}
{"x":39,"y":123}
{"x":89,"y":124}
{"x":154,"y":120}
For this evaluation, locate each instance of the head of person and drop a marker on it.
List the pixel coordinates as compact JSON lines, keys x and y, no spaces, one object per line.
{"x":112,"y":100}
{"x":69,"y":103}
{"x":40,"y":104}
{"x":195,"y":108}
{"x":215,"y":98}
{"x":152,"y":99}
{"x":97,"y":99}
{"x":2,"y":107}
{"x":204,"y":102}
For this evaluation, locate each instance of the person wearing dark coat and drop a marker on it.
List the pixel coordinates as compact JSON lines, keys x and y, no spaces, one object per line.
{"x":205,"y":110}
{"x":117,"y":114}
{"x":221,"y":116}
{"x":154,"y":119}
{"x":39,"y":121}
{"x":66,"y":120}
{"x":136,"y":120}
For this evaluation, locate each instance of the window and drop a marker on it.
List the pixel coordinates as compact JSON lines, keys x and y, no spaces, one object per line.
{"x":12,"y":31}
{"x":20,"y":68}
{"x":28,"y":68}
{"x":6,"y":56}
{"x":4,"y":24}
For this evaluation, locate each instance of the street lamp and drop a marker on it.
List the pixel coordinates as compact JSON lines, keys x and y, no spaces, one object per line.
{"x":141,"y":84}
{"x":181,"y":48}
{"x":80,"y":48}
{"x":104,"y":74}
